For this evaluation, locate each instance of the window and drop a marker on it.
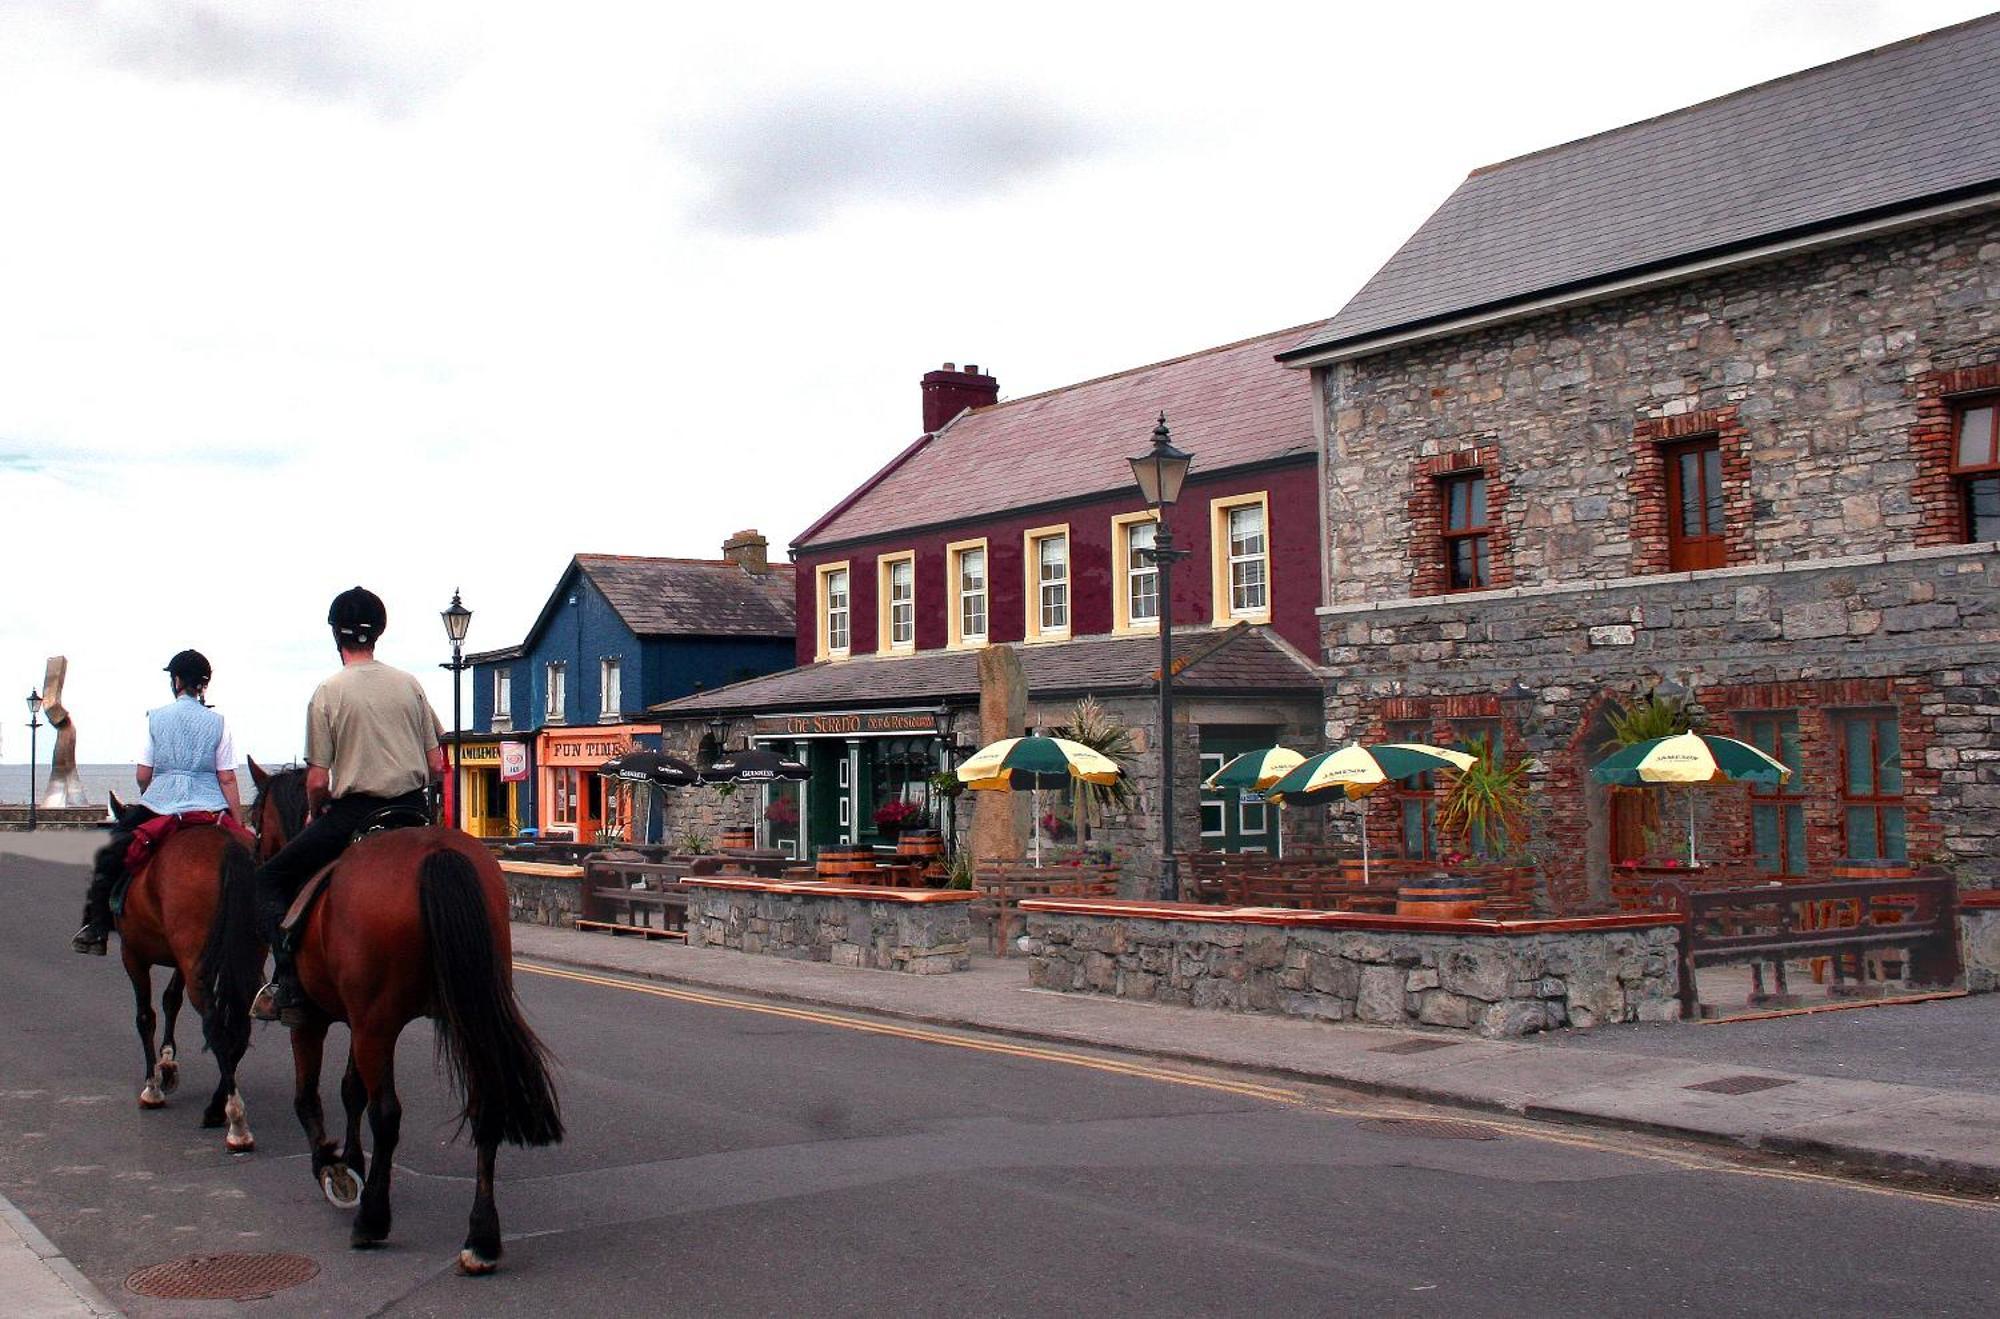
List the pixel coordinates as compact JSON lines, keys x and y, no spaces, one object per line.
{"x":1777,"y":811}
{"x":555,"y":687}
{"x":1214,"y":809}
{"x":1975,"y":465}
{"x":1468,"y":561}
{"x":897,"y":591}
{"x":968,"y":574}
{"x":503,"y":697}
{"x":563,"y":797}
{"x":1416,"y":797}
{"x":1239,"y":528}
{"x":611,"y":699}
{"x":1694,"y":504}
{"x":1871,"y":786}
{"x":1135,"y":582}
{"x":1048,"y":603}
{"x":834,"y":612}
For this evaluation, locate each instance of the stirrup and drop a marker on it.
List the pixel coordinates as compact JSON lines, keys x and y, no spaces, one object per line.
{"x":91,"y":939}
{"x":264,"y":1007}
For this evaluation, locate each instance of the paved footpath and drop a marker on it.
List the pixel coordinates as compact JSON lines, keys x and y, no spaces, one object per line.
{"x":1942,"y":1122}
{"x":36,"y":1282}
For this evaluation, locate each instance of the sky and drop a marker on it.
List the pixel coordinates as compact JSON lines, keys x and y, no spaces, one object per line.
{"x":432,"y":297}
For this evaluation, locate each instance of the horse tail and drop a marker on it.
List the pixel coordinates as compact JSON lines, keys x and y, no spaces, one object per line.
{"x":232,"y":960}
{"x":501,"y":1068}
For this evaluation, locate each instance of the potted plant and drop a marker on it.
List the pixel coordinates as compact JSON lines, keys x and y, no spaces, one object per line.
{"x":1092,"y":725}
{"x":946,"y":784}
{"x":897,"y":814}
{"x":783,"y":812}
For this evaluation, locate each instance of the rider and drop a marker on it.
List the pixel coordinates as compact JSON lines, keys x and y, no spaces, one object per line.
{"x":372,"y":742}
{"x":189,"y":765}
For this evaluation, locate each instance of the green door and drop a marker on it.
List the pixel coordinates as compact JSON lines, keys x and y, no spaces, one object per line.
{"x":1234,"y":821}
{"x":826,"y":794}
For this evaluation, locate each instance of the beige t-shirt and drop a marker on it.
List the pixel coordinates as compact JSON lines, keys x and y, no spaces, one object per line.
{"x":372,"y":729}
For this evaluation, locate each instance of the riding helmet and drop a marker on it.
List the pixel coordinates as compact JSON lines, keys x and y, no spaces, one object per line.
{"x":357,"y":616}
{"x":190,"y":669}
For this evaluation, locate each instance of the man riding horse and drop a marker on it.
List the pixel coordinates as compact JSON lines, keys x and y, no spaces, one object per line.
{"x":372,"y":744}
{"x":189,"y":766}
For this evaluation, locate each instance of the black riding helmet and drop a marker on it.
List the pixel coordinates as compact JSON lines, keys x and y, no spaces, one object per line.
{"x":357,"y":616}
{"x":190,"y":669}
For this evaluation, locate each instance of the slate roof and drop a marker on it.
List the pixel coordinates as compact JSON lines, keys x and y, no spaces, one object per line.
{"x":1874,"y":133}
{"x":1239,"y":660}
{"x":686,"y":597}
{"x":1228,"y":406}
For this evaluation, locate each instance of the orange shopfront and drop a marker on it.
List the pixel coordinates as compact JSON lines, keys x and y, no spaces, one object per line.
{"x":572,"y":801}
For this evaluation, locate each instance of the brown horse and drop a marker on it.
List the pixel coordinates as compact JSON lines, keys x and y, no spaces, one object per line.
{"x":192,"y":908}
{"x":412,"y":923}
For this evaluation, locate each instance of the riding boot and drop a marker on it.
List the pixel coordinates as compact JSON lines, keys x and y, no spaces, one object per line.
{"x":95,"y":936}
{"x":283,"y":999}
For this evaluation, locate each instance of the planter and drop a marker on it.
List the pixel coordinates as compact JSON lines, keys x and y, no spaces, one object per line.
{"x":846,"y":865}
{"x":739,"y":840}
{"x":1443,"y":897}
{"x":920,"y":844}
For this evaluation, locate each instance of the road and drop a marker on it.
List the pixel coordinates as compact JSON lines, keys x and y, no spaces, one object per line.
{"x":746,"y":1158}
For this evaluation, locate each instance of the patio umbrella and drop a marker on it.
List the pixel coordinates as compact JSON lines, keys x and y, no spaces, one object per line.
{"x":1355,"y":771}
{"x":755,"y":765}
{"x":1689,"y":758}
{"x":1032,"y":763}
{"x":1256,"y":771}
{"x":650,"y":769}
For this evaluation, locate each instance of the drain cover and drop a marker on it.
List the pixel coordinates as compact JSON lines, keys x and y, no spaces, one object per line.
{"x":1431,"y":1128}
{"x":1738,"y":1085}
{"x":233,"y":1277}
{"x":1412,"y":1046}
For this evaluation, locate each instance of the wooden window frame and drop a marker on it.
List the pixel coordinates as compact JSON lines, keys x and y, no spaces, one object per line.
{"x":610,"y":673}
{"x":822,"y":609}
{"x":1031,"y":571}
{"x":1710,"y":549}
{"x":885,"y":603}
{"x":1221,"y":592}
{"x":555,"y":692}
{"x":1964,"y":474}
{"x":1481,"y":534}
{"x":1877,"y":800}
{"x":1779,"y":797}
{"x":1123,"y":570}
{"x":954,"y":555}
{"x":503,"y":698}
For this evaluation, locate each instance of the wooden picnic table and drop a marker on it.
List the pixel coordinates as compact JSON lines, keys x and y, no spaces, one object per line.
{"x":1002,"y":886}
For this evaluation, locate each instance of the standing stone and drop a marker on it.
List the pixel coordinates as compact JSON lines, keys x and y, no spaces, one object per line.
{"x":65,"y":787}
{"x":999,"y":819}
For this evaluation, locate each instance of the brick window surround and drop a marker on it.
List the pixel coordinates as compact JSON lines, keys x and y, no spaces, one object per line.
{"x":1939,"y":504}
{"x":1430,"y":570}
{"x":1650,"y":438}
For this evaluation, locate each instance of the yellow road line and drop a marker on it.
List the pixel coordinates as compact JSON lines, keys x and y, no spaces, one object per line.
{"x":1576,"y":1139}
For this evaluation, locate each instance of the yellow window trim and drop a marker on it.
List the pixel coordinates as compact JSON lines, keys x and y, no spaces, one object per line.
{"x":820,"y":649}
{"x":1121,"y":568}
{"x":1031,"y":572}
{"x":883,"y":563}
{"x":1218,"y":539}
{"x":955,"y":621}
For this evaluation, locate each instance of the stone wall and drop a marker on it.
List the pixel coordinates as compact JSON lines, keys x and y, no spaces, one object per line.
{"x":703,"y":811}
{"x":1494,"y":984}
{"x":543,"y":899}
{"x":1979,"y":945}
{"x":792,"y":921}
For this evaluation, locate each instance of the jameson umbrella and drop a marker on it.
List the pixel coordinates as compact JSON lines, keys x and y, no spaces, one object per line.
{"x":1016,"y":764}
{"x":1355,"y":771}
{"x":1256,"y":771}
{"x":1689,"y":758}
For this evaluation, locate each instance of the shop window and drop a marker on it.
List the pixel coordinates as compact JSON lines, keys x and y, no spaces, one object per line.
{"x":897,"y":590}
{"x":1416,"y":797}
{"x":555,"y":676}
{"x":1694,"y":504}
{"x":1468,"y":560}
{"x":1239,"y":530}
{"x":1975,"y":465}
{"x":1135,"y":581}
{"x":563,"y":788}
{"x":611,"y":698}
{"x":1777,"y":811}
{"x":503,"y":698}
{"x":834,"y":612}
{"x":969,"y":607}
{"x":1048,"y":604}
{"x":1871,"y":786}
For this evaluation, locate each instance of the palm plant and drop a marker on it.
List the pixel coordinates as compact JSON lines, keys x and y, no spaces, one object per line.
{"x":1649,"y":717}
{"x":1486,"y":803}
{"x":1092,"y":725}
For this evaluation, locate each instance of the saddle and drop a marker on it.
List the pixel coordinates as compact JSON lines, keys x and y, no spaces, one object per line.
{"x":377,"y":822}
{"x":148,"y":837}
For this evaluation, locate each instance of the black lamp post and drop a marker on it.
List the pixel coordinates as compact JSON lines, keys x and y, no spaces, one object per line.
{"x":34,"y":726}
{"x":1160,"y":471}
{"x":457,"y":619}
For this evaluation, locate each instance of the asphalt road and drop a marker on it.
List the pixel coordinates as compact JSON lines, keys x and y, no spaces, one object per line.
{"x":759,"y":1159}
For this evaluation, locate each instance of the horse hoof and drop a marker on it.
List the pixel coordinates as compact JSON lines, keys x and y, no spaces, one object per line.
{"x":359,"y":1240}
{"x":339,"y":1186}
{"x":150,"y":1097}
{"x":240,"y":1144}
{"x":169,"y":1073}
{"x":475,"y":1265}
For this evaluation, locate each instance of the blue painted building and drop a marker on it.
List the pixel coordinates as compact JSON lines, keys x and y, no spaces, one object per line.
{"x":618,"y":634}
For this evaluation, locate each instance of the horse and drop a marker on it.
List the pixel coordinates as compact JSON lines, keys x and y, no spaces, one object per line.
{"x":192,"y":908}
{"x":411,"y":923}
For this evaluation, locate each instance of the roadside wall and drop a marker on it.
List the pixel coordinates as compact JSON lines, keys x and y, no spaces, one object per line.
{"x":789,"y":921}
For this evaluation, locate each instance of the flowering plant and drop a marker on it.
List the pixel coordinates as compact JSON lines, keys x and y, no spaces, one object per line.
{"x":1054,"y":826}
{"x":896,"y":815}
{"x":782,"y":810}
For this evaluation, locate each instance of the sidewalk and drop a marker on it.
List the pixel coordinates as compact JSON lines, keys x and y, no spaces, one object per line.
{"x":36,"y":1282}
{"x":1949,"y":1131}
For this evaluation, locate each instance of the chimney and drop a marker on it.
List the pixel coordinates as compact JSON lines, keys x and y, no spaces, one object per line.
{"x":950,"y":391}
{"x":749,"y":551}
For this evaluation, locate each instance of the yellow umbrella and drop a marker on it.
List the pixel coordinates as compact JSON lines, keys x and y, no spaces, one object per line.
{"x":1355,"y":771}
{"x":1035,"y":763}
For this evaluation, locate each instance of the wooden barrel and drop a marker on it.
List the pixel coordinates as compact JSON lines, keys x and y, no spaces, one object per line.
{"x":737,"y":840}
{"x":1446,"y":897}
{"x":1871,"y":870}
{"x":846,"y":865}
{"x":920,"y":844}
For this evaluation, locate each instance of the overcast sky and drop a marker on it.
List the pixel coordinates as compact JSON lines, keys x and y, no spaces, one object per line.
{"x":294,"y":296}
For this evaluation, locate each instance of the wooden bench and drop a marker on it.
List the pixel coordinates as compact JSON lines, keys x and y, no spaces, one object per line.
{"x":640,"y":898}
{"x":1000,"y":887}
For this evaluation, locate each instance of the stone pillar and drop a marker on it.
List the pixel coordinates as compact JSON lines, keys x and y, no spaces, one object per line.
{"x":65,"y":785}
{"x":1000,"y":819}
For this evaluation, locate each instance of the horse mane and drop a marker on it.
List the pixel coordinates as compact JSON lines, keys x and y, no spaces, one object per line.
{"x":286,"y":789}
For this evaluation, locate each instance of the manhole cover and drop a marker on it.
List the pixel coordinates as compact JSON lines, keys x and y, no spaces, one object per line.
{"x":237,"y":1276}
{"x":1431,"y":1128}
{"x":1738,"y":1085}
{"x":1412,"y":1046}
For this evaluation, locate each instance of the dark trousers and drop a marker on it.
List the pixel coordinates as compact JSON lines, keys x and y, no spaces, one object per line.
{"x":110,"y":865}
{"x":318,"y":844}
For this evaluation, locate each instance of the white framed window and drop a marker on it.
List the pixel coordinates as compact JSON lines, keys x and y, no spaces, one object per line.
{"x":835,"y":613}
{"x":1214,"y":817}
{"x":969,"y":592}
{"x":611,"y":698}
{"x":503,"y":697}
{"x":556,"y":690}
{"x":896,"y":592}
{"x":1048,"y":601}
{"x":1242,"y":568}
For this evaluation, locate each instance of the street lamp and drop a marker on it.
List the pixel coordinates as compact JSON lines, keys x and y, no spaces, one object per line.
{"x":34,"y":725}
{"x":457,"y":619}
{"x":1160,"y":471}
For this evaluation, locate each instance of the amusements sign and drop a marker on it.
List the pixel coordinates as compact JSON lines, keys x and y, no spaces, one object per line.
{"x":856,"y":723}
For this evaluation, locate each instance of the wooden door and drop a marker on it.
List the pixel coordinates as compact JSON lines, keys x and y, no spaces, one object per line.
{"x":1694,"y":505}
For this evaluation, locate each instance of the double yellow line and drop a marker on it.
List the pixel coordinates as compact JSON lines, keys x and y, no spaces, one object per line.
{"x":1628,"y":1146}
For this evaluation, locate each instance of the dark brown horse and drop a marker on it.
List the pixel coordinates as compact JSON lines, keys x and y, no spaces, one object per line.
{"x":192,"y":908}
{"x":412,"y":923}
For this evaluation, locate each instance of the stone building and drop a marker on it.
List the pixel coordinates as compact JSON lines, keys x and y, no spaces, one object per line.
{"x":1707,"y":400}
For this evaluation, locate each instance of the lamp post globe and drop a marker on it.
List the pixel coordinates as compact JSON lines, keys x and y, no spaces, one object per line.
{"x":457,"y":621}
{"x":1159,"y":472}
{"x":34,"y":726}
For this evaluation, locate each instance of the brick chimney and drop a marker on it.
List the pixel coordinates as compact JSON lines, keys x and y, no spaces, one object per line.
{"x":749,"y":551}
{"x":950,"y":391}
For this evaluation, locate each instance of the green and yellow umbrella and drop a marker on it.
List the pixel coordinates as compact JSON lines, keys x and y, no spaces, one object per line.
{"x":1355,"y":771}
{"x":1034,"y":763}
{"x":1689,"y":758}
{"x":1256,"y":771}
